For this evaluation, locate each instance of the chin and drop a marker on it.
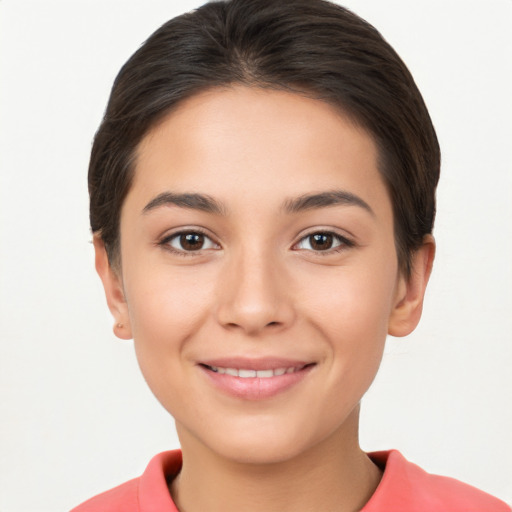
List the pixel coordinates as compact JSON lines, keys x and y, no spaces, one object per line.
{"x":261,"y":442}
{"x":260,"y":452}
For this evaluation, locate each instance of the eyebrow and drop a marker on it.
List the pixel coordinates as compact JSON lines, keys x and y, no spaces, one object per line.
{"x":324,"y":199}
{"x":193,"y":201}
{"x":304,"y":202}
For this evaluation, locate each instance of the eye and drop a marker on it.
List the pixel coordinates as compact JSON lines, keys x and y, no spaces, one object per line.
{"x":189,"y":241}
{"x":323,"y":241}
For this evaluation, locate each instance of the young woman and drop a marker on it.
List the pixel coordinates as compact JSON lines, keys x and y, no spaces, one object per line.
{"x":262,"y":197}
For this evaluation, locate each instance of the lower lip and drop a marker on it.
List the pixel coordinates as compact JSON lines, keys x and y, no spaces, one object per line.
{"x":256,"y":388}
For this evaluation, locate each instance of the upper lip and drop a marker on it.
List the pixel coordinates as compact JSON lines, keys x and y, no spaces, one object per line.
{"x":261,"y":363}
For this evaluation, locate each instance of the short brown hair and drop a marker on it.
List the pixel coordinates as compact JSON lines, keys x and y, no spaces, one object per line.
{"x":312,"y":47}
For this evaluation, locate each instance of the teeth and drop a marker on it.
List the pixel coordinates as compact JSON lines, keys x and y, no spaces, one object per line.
{"x":245,"y":374}
{"x":265,"y":374}
{"x":250,"y":374}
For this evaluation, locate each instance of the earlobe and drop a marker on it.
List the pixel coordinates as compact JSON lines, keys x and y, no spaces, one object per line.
{"x":410,"y":292}
{"x":114,"y":293}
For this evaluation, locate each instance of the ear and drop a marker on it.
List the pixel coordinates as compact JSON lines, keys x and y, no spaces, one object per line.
{"x":114,"y":292}
{"x":408,"y":305}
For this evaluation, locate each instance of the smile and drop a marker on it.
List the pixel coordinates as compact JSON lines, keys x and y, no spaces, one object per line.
{"x":255,"y":379}
{"x":252,"y":374}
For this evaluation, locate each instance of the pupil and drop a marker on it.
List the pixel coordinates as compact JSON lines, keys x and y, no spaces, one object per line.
{"x":192,"y":241}
{"x":321,"y":241}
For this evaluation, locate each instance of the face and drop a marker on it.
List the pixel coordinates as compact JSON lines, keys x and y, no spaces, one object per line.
{"x":259,"y":274}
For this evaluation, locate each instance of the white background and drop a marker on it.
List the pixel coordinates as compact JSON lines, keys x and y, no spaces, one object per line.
{"x":76,"y":416}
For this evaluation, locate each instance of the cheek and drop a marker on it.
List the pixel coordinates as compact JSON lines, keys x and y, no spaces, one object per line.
{"x":353,"y":318}
{"x":166,"y":310}
{"x":167,"y":306}
{"x":353,"y":301}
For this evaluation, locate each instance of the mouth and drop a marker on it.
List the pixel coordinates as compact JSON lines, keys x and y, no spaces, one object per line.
{"x":255,"y":379}
{"x":246,"y":373}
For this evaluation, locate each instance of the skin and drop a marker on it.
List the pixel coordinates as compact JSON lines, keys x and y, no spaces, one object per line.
{"x":259,"y":288}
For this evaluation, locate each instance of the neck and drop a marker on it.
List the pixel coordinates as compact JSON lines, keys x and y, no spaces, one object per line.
{"x":335,"y":475}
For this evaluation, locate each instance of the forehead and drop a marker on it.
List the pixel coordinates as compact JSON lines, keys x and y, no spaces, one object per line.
{"x":241,"y":141}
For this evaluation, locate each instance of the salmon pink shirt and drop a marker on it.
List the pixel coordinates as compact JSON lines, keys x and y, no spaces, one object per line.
{"x":404,"y":488}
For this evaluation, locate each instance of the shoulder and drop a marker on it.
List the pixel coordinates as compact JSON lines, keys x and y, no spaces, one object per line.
{"x":122,"y":498}
{"x":140,"y":494}
{"x":405,"y":487}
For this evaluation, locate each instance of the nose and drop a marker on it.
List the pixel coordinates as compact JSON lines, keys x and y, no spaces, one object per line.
{"x":254,"y":295}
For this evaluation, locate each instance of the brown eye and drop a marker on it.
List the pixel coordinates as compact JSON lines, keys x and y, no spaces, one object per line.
{"x":321,"y":241}
{"x":324,"y":241}
{"x":190,"y":241}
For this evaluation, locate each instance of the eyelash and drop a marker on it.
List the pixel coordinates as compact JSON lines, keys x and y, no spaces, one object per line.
{"x":165,"y":242}
{"x":344,"y":243}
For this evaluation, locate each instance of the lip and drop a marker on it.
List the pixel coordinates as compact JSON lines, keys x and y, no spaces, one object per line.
{"x":255,"y":388}
{"x":255,"y":363}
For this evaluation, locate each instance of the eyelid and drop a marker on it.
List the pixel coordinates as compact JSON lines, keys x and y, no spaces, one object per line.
{"x":165,"y":240}
{"x":346,"y":242}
